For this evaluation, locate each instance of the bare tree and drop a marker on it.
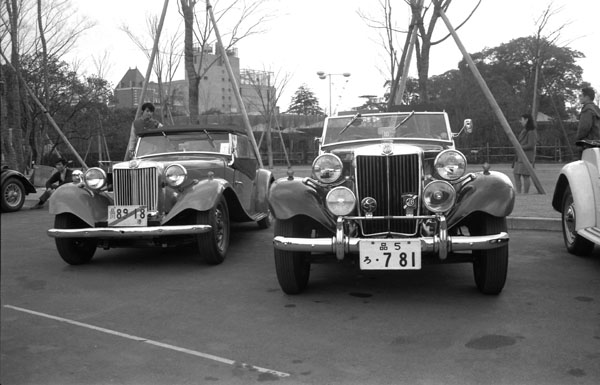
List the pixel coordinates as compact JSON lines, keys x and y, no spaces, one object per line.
{"x":244,"y":18}
{"x":166,"y":62}
{"x":268,"y":88}
{"x":419,"y":13}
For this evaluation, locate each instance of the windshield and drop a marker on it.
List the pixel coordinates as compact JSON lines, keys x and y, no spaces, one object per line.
{"x":405,"y":125}
{"x":183,"y":142}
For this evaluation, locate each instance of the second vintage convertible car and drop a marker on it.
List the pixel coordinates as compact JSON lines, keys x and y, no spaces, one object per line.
{"x":389,"y":191}
{"x":184,"y":184}
{"x":577,"y":198}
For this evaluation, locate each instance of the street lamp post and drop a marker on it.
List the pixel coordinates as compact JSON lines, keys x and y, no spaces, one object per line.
{"x":323,"y":75}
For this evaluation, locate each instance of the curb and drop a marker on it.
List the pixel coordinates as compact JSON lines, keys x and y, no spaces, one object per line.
{"x":534,"y":223}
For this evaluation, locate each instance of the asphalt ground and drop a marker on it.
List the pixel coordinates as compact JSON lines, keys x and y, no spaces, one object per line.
{"x":532,"y":211}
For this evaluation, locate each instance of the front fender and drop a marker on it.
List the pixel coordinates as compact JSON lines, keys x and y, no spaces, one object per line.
{"x":91,"y":207}
{"x":491,"y":193}
{"x":577,"y":174}
{"x":291,"y":197}
{"x":29,"y":188}
{"x":260,"y":198}
{"x":200,"y":197}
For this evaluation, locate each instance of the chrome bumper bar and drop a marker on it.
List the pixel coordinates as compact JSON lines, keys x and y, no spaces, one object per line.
{"x":129,"y":232}
{"x":441,"y":244}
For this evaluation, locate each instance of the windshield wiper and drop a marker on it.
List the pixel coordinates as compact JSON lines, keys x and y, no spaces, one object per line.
{"x":210,"y":139}
{"x":350,"y":123}
{"x":404,"y":120}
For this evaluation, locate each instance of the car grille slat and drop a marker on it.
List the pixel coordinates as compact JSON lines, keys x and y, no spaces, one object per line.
{"x":386,"y":178}
{"x":136,"y":187}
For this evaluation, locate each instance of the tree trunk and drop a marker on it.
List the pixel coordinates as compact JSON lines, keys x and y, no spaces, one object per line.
{"x":187,"y":7}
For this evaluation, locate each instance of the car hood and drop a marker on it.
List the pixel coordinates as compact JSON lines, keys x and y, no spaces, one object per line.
{"x":386,"y":147}
{"x":197,"y":168}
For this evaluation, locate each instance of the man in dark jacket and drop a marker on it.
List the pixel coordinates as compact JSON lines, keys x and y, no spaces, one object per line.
{"x":62,"y":175}
{"x":589,"y":118}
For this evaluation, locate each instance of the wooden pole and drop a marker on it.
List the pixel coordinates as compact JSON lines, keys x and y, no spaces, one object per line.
{"x":132,"y":135}
{"x":494,"y":104}
{"x":234,"y":84}
{"x":411,"y":46}
{"x":45,"y":111}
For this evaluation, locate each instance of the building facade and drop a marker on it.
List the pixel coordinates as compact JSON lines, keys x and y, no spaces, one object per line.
{"x":128,"y":91}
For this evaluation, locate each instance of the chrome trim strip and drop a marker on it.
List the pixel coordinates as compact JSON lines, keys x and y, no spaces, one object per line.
{"x":129,"y":232}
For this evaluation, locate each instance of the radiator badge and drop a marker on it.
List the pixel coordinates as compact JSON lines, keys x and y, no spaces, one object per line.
{"x":369,"y":205}
{"x":387,"y":148}
{"x":134,"y":163}
{"x":409,"y":203}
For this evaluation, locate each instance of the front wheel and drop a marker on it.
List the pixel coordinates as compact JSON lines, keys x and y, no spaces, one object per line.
{"x":213,"y":245}
{"x":13,"y":195}
{"x":574,"y":242}
{"x":489,"y":266}
{"x":292,"y":267}
{"x":74,"y":251}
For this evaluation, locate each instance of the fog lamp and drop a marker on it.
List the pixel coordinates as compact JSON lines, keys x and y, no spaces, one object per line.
{"x":439,"y":196}
{"x":340,"y":201}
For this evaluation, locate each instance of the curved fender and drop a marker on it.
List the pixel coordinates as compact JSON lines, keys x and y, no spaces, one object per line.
{"x":577,"y":174}
{"x":291,"y":197}
{"x":199,"y":197}
{"x":493,"y":194}
{"x":29,"y":188}
{"x":91,"y":207}
{"x":260,"y":197}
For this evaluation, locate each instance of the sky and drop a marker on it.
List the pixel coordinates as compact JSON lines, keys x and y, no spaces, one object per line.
{"x":307,"y":36}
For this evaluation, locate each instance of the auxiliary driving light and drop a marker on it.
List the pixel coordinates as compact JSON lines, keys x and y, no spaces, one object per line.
{"x":439,"y":196}
{"x":340,"y":201}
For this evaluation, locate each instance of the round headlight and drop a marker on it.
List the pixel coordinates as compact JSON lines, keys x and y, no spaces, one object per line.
{"x":95,"y":178}
{"x":439,"y":196}
{"x":450,"y":164}
{"x":340,"y":201}
{"x":175,"y":175}
{"x":327,"y":168}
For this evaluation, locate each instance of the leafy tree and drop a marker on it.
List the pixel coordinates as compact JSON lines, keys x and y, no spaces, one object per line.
{"x":304,"y":102}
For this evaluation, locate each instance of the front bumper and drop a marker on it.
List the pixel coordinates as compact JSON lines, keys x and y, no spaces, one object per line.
{"x":129,"y":232}
{"x":441,"y":244}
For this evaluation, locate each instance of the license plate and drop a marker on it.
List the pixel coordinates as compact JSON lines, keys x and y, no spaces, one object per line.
{"x":127,"y":216}
{"x":386,"y":254}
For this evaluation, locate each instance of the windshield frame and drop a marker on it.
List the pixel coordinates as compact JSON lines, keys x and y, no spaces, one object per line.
{"x":380,"y":130}
{"x":177,"y":143}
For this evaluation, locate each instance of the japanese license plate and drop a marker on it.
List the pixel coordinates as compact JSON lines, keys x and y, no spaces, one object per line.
{"x":388,"y":254}
{"x":127,"y":216}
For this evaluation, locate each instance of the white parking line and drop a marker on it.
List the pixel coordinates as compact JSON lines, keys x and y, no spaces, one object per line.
{"x":155,"y":343}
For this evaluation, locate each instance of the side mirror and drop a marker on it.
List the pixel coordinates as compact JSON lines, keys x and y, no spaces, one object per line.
{"x":467,"y":127}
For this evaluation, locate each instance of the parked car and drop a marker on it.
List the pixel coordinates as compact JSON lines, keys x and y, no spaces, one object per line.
{"x":184,"y":184}
{"x":389,"y":191}
{"x":577,"y":198}
{"x":15,"y":187}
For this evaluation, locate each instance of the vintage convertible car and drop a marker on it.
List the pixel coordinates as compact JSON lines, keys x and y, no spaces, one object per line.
{"x":580,"y":206}
{"x":389,"y":191}
{"x":15,"y":187}
{"x":184,"y":184}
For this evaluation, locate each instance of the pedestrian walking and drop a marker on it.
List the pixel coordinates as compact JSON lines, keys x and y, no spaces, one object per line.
{"x":527,"y":139}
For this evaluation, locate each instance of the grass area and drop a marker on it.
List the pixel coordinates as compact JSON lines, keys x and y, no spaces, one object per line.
{"x":533,"y":204}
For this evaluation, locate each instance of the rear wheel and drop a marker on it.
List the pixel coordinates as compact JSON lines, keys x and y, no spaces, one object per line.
{"x":213,"y":245}
{"x":13,"y":195}
{"x":292,"y":267}
{"x":574,"y":242}
{"x":74,"y":251}
{"x":489,"y":266}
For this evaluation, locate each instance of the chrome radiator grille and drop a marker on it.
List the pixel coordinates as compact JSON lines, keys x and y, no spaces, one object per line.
{"x":136,"y":187}
{"x":386,"y":178}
